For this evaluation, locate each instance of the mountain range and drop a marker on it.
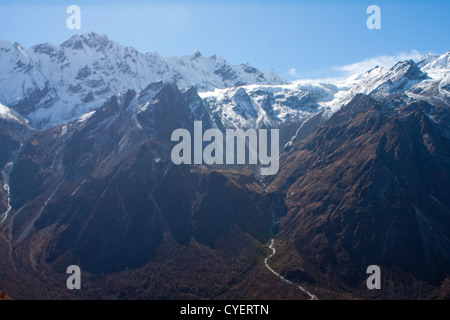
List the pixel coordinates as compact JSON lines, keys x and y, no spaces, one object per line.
{"x":85,"y":133}
{"x":56,"y":84}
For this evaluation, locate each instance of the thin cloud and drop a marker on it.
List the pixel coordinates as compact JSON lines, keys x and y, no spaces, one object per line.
{"x":382,"y":61}
{"x":292,"y":72}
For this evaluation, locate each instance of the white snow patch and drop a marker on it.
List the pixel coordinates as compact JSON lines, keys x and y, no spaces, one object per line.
{"x":86,"y":116}
{"x":7,"y":113}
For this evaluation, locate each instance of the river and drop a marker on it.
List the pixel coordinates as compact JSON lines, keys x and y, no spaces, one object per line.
{"x":5,"y":175}
{"x":273,"y":248}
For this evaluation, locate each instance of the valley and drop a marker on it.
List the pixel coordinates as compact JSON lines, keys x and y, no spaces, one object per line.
{"x":88,"y":178}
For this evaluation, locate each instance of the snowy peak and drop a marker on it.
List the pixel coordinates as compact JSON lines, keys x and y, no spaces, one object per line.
{"x":155,"y":112}
{"x":438,"y":62}
{"x":91,"y":40}
{"x":399,"y":78}
{"x":405,"y":69}
{"x":52,"y":84}
{"x":196,"y":54}
{"x":426,"y":80}
{"x":209,"y":73}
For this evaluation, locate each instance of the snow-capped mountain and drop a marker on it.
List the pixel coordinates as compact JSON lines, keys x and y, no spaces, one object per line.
{"x":257,"y":106}
{"x":436,"y":62}
{"x":52,"y":85}
{"x":56,"y":84}
{"x":427,"y":80}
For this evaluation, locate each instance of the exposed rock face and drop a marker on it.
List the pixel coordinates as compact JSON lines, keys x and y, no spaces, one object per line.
{"x":369,"y":186}
{"x":103,"y":192}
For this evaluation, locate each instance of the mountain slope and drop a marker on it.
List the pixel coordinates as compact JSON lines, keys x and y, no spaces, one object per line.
{"x":103,"y":193}
{"x":14,"y":132}
{"x":369,"y":186}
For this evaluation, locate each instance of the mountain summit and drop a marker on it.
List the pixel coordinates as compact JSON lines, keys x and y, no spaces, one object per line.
{"x":56,"y":84}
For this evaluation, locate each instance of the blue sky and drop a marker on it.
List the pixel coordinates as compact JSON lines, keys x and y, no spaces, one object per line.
{"x":299,"y":39}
